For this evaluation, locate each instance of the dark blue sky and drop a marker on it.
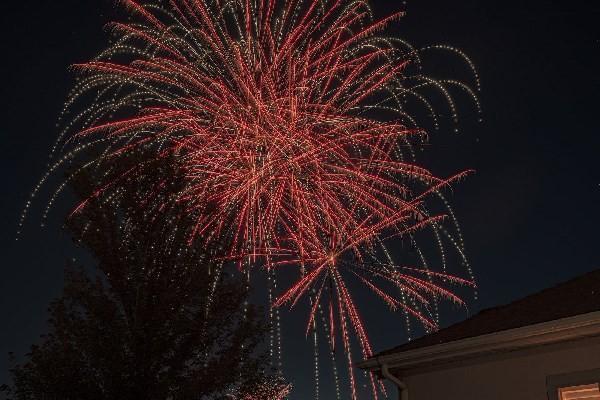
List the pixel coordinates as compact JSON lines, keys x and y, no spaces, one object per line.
{"x":530,"y":214}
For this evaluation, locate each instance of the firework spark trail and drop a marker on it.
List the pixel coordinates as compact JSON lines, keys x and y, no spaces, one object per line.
{"x":269,"y":108}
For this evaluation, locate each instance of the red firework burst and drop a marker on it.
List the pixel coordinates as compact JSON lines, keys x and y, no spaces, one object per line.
{"x":273,"y":111}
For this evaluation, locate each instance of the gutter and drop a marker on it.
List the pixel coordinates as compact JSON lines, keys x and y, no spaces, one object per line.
{"x":561,"y":330}
{"x":402,"y":388}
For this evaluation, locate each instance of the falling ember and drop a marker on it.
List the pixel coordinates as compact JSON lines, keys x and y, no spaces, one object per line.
{"x":271,"y":110}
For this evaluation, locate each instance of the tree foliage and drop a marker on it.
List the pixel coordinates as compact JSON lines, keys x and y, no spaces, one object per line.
{"x":159,"y":318}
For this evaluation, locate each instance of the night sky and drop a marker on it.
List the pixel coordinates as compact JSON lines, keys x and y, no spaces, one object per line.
{"x":530,"y":213}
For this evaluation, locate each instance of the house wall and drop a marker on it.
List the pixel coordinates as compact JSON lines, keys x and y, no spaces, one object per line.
{"x":517,"y":375}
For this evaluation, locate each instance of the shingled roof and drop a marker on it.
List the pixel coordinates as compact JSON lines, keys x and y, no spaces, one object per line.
{"x":577,"y":296}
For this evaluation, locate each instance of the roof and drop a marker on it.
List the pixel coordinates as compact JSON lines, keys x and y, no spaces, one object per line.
{"x":444,"y":355}
{"x":577,"y":296}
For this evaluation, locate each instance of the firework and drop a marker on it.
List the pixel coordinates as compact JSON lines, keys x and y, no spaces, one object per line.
{"x":287,"y":119}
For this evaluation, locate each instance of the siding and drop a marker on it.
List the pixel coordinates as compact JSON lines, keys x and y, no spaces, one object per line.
{"x":518,"y":375}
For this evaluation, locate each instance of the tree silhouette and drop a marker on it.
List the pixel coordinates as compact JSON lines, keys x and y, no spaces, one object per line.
{"x":159,"y":318}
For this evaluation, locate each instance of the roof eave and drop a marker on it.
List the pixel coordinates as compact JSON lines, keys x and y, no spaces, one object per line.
{"x":559,"y":330}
